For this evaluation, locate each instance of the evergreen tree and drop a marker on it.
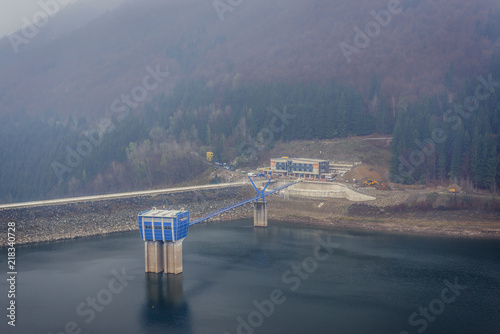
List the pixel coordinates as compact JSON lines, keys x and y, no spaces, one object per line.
{"x":342,"y":114}
{"x":374,"y":87}
{"x":491,"y":163}
{"x":383,"y":117}
{"x":456,"y":157}
{"x":440,"y":171}
{"x":477,"y":162}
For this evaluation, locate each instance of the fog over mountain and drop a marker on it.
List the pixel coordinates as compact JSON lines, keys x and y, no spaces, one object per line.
{"x":82,"y":72}
{"x":13,"y":12}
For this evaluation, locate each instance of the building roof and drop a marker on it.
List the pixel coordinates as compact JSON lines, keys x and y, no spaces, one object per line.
{"x":307,"y":160}
{"x":280,"y":159}
{"x":160,"y":213}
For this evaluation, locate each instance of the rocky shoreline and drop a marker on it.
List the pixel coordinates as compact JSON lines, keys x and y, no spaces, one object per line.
{"x":84,"y":219}
{"x":386,"y":214}
{"x":396,"y":214}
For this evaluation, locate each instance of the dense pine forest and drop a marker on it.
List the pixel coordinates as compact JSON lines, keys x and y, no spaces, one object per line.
{"x":165,"y":143}
{"x":448,"y":137}
{"x":451,"y":137}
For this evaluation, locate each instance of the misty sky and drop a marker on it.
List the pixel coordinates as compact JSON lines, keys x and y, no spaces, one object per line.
{"x":13,"y":11}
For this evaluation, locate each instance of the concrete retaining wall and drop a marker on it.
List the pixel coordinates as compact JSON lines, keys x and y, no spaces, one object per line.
{"x":324,"y":189}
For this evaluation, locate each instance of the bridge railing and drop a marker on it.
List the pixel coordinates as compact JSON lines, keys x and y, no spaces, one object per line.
{"x":218,"y":212}
{"x":235,"y":205}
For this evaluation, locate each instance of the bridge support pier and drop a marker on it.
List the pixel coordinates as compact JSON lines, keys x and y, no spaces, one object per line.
{"x":172,"y":257}
{"x":153,"y":256}
{"x":259,"y":214}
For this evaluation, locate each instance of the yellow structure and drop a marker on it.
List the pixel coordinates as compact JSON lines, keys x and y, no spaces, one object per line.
{"x":210,"y":156}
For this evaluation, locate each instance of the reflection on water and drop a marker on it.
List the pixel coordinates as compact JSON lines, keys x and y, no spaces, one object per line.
{"x":371,"y":284}
{"x":165,"y":307}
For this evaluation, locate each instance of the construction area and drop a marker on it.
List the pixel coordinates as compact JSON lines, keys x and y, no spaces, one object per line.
{"x":360,"y":164}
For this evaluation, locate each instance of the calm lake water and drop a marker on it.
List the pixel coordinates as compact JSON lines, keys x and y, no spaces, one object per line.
{"x":239,"y":279}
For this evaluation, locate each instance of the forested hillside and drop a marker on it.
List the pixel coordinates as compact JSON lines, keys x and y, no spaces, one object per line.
{"x":166,"y":143}
{"x":77,"y":118}
{"x":455,"y":138}
{"x":437,"y":138}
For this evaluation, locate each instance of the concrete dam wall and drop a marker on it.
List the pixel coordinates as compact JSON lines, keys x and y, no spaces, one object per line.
{"x":326,"y":189}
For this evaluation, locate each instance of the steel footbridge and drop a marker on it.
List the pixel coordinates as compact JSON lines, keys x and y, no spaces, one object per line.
{"x":163,"y":231}
{"x":260,"y":195}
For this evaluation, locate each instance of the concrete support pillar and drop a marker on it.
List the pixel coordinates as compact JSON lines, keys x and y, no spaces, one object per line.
{"x":153,"y":256}
{"x":259,"y":214}
{"x":172,"y":257}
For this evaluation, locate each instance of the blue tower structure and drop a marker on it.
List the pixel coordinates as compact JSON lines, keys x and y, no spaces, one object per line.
{"x":163,"y":232}
{"x":163,"y":225}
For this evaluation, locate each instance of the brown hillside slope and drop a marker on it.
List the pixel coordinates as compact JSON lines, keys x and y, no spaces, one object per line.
{"x":81,"y":74}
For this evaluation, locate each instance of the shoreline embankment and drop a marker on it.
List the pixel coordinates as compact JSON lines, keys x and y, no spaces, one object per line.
{"x":395,"y":212}
{"x":45,"y":223}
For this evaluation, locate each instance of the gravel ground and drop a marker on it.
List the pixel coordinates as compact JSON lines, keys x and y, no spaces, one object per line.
{"x":387,"y":214}
{"x":385,"y":198}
